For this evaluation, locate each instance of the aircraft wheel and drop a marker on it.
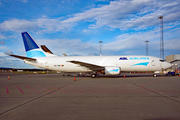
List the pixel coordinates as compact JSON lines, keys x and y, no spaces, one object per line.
{"x":154,"y":75}
{"x":93,"y":75}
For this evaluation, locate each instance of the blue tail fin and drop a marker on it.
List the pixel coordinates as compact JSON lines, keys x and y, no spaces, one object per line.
{"x":29,"y":43}
{"x":31,"y":47}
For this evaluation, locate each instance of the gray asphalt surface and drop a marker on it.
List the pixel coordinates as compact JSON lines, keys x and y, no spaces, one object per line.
{"x":53,"y":96}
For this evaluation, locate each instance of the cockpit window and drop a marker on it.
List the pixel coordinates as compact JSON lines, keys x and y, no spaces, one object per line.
{"x":161,"y":60}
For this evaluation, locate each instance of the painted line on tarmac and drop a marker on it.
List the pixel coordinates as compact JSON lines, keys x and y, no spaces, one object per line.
{"x":57,"y":89}
{"x":45,"y":89}
{"x":101,"y":88}
{"x":151,"y":83}
{"x":88,"y":90}
{"x":20,"y":105}
{"x":76,"y":90}
{"x":7,"y":90}
{"x":153,"y":91}
{"x":32,"y":89}
{"x":110,"y":89}
{"x":20,"y":89}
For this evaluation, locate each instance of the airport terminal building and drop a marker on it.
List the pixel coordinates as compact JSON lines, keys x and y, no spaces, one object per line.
{"x":174,"y":60}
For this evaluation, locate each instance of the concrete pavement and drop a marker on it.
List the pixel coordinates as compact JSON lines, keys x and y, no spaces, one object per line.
{"x":53,"y":96}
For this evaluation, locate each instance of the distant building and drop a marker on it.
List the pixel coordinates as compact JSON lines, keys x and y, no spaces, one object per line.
{"x":174,"y":60}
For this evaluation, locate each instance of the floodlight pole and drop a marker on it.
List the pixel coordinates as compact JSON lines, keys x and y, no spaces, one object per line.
{"x":100,"y":46}
{"x":147,"y":47}
{"x":161,"y":38}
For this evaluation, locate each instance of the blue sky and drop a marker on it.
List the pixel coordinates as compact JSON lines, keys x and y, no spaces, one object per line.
{"x":75,"y":27}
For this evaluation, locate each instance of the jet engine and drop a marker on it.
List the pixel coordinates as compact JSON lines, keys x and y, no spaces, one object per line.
{"x":112,"y":70}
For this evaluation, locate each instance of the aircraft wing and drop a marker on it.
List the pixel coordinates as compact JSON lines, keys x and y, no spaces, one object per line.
{"x":88,"y":65}
{"x":22,"y":57}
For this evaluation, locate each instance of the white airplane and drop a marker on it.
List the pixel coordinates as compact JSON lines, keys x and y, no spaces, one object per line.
{"x":42,"y":57}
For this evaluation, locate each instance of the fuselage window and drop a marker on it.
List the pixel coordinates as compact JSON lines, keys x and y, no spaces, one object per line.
{"x":161,"y":60}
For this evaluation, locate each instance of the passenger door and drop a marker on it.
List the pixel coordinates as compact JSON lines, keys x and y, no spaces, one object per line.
{"x":153,"y":62}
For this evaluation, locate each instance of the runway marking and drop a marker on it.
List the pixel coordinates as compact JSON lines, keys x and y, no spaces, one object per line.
{"x":76,"y":90}
{"x":44,"y":89}
{"x":20,"y":89}
{"x":33,"y":99}
{"x":88,"y":90}
{"x":102,"y":89}
{"x":121,"y":89}
{"x":57,"y":88}
{"x":151,"y":83}
{"x":7,"y":90}
{"x":154,"y":91}
{"x":163,"y":91}
{"x":33,"y":89}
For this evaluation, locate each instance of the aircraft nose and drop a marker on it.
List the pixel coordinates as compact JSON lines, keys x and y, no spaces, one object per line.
{"x":168,"y":65}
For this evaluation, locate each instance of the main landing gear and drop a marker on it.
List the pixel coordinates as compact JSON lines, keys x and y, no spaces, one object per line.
{"x":93,"y":75}
{"x":154,"y":75}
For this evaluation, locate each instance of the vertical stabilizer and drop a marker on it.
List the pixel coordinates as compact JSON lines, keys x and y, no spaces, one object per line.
{"x":29,"y":43}
{"x":31,"y":47}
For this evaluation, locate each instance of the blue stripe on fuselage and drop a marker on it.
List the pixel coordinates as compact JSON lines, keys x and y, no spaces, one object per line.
{"x":144,"y":64}
{"x":114,"y":70}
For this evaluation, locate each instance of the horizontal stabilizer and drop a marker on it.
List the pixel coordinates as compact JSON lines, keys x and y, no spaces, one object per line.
{"x":22,"y":57}
{"x":46,"y":49}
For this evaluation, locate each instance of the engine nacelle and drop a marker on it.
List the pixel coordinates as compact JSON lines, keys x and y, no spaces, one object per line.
{"x":112,"y":70}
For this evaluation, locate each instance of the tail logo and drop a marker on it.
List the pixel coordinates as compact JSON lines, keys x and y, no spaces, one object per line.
{"x":31,"y":47}
{"x":35,"y":53}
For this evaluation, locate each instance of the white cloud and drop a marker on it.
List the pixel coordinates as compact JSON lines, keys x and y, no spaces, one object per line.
{"x":118,"y":14}
{"x":2,"y":54}
{"x":2,"y":36}
{"x":129,"y":14}
{"x":17,"y":25}
{"x":86,"y":31}
{"x":131,"y":43}
{"x":9,"y":52}
{"x":124,"y":43}
{"x":171,"y":4}
{"x":41,"y":24}
{"x":25,"y":1}
{"x":74,"y":46}
{"x":52,"y":25}
{"x":2,"y":47}
{"x":172,"y":44}
{"x":2,"y":42}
